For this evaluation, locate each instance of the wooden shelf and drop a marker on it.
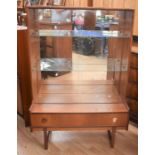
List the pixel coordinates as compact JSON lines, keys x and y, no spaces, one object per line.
{"x":78,"y":99}
{"x":78,"y":108}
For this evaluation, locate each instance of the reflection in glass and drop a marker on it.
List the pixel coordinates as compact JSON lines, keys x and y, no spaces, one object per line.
{"x":82,"y":33}
{"x":77,"y":43}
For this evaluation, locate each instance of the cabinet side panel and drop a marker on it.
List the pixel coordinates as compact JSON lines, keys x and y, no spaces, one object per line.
{"x":19,"y":99}
{"x":119,"y":52}
{"x":135,"y":26}
{"x":23,"y":71}
{"x":34,"y":52}
{"x":126,"y":49}
{"x":124,"y":68}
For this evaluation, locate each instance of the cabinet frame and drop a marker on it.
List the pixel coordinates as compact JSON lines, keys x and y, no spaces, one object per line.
{"x":120,"y":83}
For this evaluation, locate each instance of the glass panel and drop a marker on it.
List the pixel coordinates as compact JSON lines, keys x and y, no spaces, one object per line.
{"x":81,"y":44}
{"x":54,"y":15}
{"x":56,"y":64}
{"x":82,"y":33}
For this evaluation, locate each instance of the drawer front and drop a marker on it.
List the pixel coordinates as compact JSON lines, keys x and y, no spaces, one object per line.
{"x":79,"y":120}
{"x":133,"y":76}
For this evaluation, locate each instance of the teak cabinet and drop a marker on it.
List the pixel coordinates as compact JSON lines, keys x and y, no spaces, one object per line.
{"x":92,"y":95}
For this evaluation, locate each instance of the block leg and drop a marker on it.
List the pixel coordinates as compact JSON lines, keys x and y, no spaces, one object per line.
{"x":111,"y":135}
{"x":46,"y":138}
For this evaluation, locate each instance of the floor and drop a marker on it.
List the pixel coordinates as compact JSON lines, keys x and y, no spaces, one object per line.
{"x":76,"y":143}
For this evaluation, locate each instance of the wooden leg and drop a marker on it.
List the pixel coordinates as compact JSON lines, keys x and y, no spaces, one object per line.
{"x":112,"y":136}
{"x":46,"y":138}
{"x":31,"y":129}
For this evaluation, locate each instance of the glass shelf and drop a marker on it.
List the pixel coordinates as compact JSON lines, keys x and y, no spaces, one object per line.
{"x":56,"y":64}
{"x":66,"y":65}
{"x":82,"y":34}
{"x":81,"y":44}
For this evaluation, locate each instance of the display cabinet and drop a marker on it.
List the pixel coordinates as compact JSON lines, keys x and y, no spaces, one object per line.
{"x":80,"y":82}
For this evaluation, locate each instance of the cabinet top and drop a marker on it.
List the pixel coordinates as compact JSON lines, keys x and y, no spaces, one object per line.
{"x":78,"y":8}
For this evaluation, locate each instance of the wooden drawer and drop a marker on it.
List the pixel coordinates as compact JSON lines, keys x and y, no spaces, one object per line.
{"x":79,"y":120}
{"x":133,"y":75}
{"x":134,"y":60}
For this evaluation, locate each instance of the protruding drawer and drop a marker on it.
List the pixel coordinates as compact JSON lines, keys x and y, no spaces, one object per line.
{"x":79,"y":120}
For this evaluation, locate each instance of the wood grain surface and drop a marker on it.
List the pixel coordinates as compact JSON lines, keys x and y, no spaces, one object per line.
{"x":77,"y":108}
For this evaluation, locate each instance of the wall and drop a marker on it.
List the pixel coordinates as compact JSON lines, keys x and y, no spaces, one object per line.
{"x":130,"y":4}
{"x":77,"y":3}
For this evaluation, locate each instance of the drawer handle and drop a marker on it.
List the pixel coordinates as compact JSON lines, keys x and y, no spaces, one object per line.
{"x":44,"y":120}
{"x":114,"y":120}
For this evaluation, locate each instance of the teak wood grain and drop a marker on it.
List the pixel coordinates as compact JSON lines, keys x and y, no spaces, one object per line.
{"x":78,"y":108}
{"x":19,"y":98}
{"x":77,"y":98}
{"x":133,"y":75}
{"x":84,"y":120}
{"x":132,"y":94}
{"x":79,"y":8}
{"x":23,"y":75}
{"x":77,"y":82}
{"x":78,"y":94}
{"x":78,"y":89}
